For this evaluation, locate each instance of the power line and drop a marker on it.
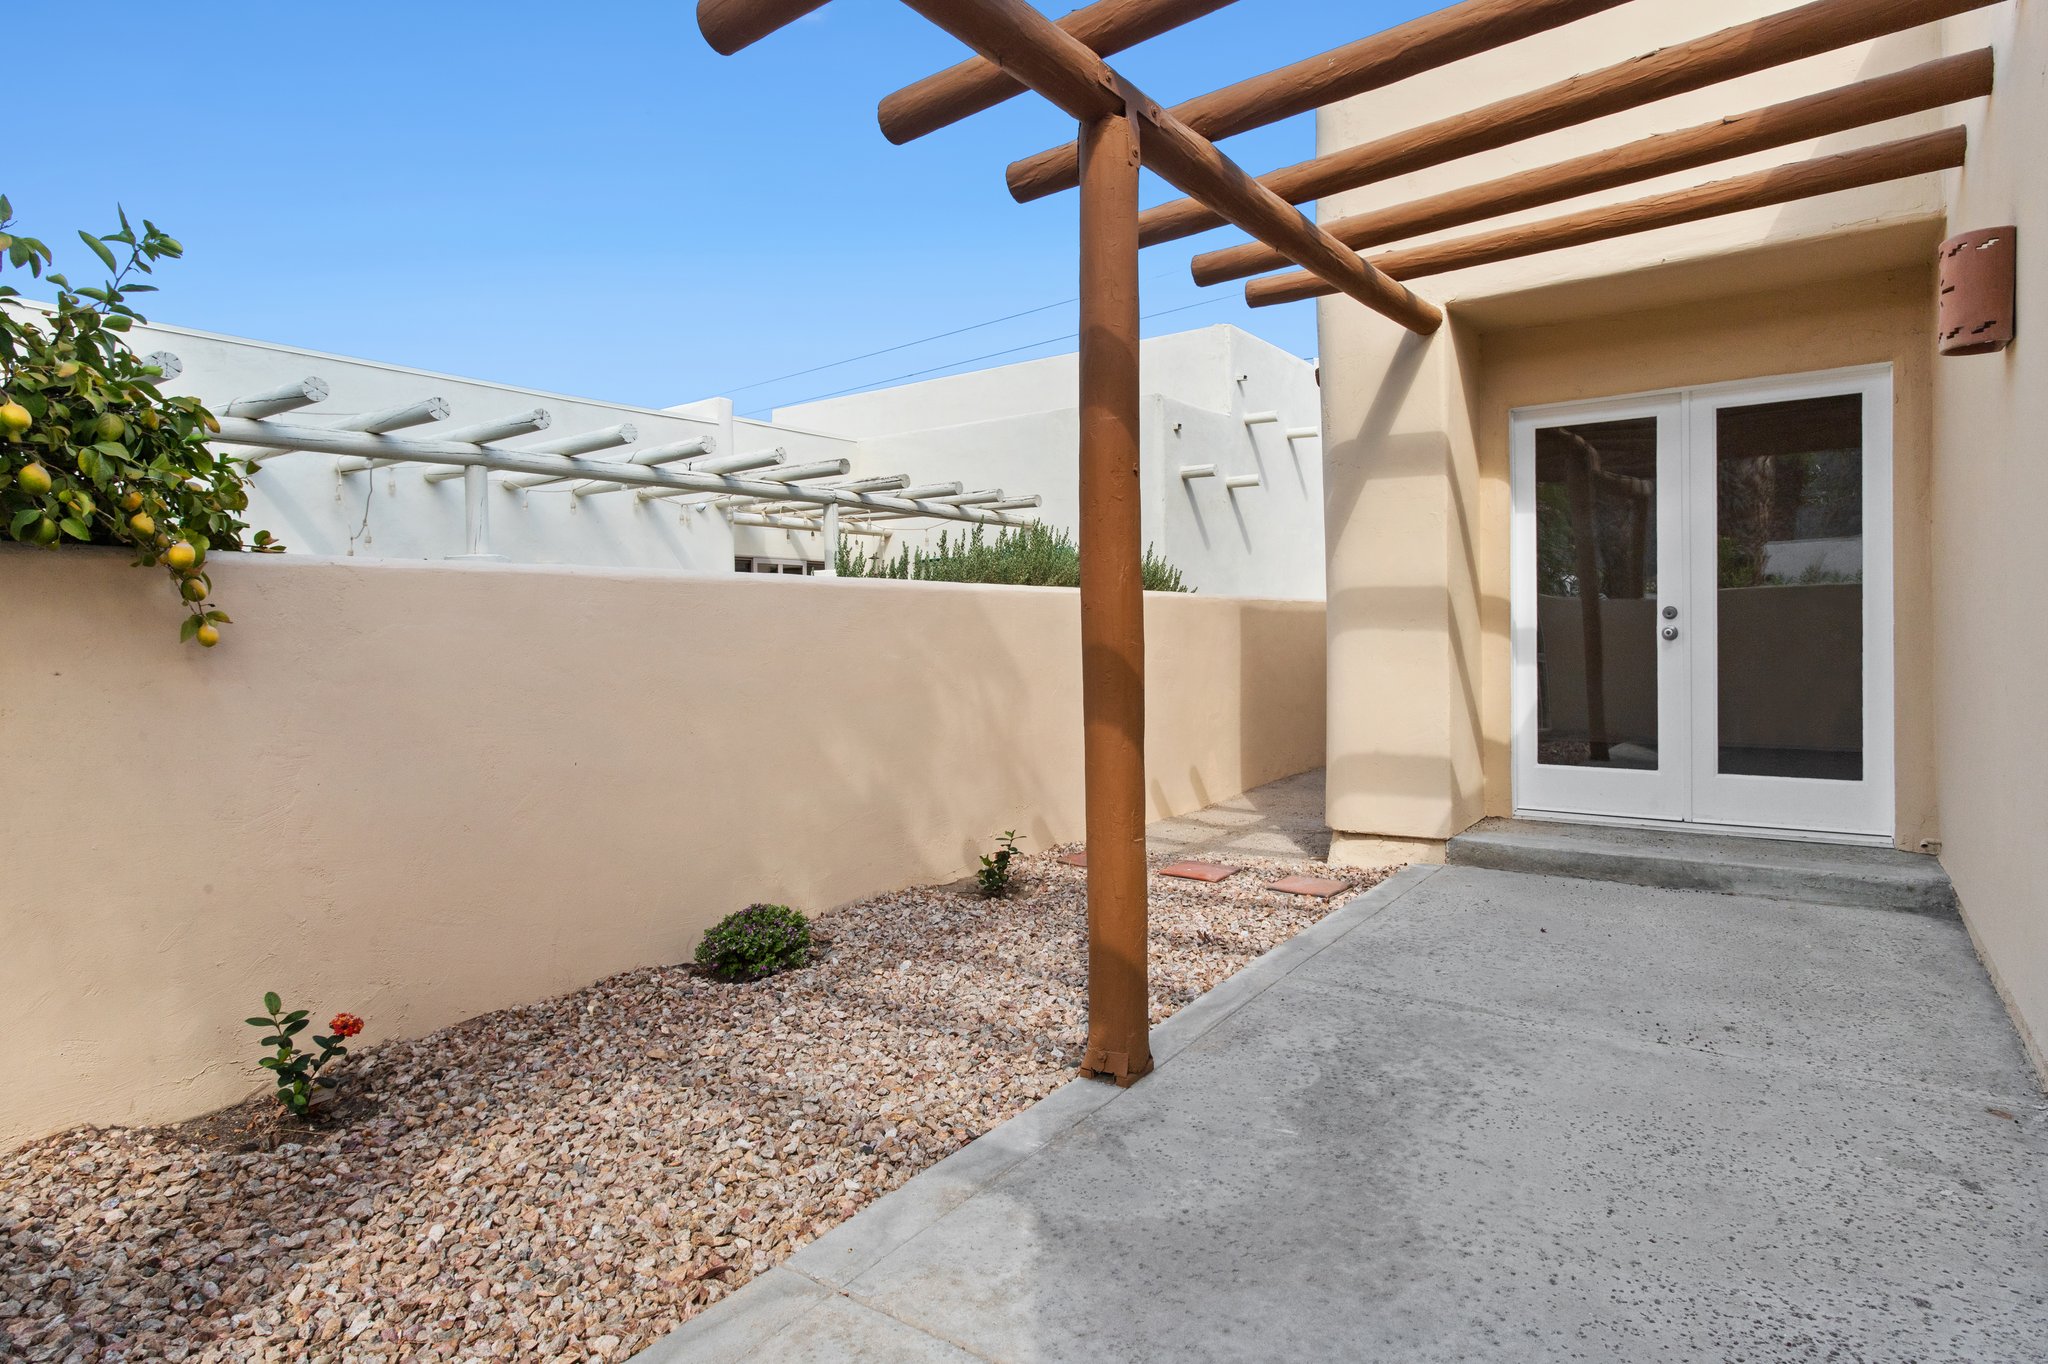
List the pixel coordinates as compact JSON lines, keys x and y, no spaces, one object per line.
{"x":976,"y":359}
{"x":936,"y":336}
{"x":886,"y":350}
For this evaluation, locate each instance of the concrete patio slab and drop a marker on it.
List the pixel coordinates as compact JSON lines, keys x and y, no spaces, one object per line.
{"x":1479,"y":1115}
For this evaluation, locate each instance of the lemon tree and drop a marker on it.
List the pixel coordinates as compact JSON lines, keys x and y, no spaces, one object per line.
{"x":90,"y":450}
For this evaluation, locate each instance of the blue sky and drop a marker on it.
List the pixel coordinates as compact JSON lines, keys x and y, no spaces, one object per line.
{"x":588,"y":199}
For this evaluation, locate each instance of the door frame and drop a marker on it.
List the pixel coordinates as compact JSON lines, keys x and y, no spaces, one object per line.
{"x":1657,"y":795}
{"x":1680,"y":735}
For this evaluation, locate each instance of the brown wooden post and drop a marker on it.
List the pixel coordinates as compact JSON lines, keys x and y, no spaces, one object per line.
{"x":1112,"y":604}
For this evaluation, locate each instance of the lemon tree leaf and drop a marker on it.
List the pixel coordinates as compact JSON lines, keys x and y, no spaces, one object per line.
{"x":99,"y":248}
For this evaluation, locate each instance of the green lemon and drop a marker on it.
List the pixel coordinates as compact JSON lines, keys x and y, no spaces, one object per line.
{"x":109,"y":427}
{"x":34,"y":479}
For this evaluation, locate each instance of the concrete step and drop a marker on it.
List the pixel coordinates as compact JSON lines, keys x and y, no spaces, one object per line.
{"x":1816,"y":873}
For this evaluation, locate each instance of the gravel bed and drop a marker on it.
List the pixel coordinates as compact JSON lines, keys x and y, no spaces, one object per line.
{"x":569,"y":1180}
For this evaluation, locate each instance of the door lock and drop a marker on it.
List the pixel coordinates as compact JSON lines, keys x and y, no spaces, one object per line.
{"x":1671,"y":632}
{"x":1671,"y":613}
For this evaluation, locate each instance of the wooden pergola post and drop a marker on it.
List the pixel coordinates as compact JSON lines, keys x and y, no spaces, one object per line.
{"x":1112,"y":604}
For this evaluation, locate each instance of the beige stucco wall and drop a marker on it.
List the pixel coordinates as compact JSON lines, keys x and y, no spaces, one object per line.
{"x":424,"y":792}
{"x":1990,"y":544}
{"x":1416,"y":428}
{"x":1832,"y":324}
{"x":1417,"y":441}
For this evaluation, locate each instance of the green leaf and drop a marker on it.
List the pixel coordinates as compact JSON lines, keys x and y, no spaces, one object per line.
{"x":22,"y":518}
{"x":189,"y":628}
{"x":296,"y":1014}
{"x":257,"y":1022}
{"x":293,"y":1029}
{"x":75,"y":528}
{"x":99,"y":249}
{"x":272,"y":1002}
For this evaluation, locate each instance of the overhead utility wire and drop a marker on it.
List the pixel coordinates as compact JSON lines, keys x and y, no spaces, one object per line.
{"x":976,"y":359}
{"x":936,"y":336}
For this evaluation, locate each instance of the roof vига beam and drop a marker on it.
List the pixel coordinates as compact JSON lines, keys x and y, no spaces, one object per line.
{"x":1415,"y":47}
{"x":1823,"y":26}
{"x":976,"y":84}
{"x":1780,"y":184}
{"x":1060,"y":67}
{"x":1931,"y":85}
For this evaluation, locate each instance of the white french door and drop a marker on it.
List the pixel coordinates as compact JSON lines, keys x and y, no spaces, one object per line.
{"x":1701,"y":606}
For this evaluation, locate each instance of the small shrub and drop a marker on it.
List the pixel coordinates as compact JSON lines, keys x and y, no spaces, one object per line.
{"x":758,"y":941}
{"x":300,"y":1085}
{"x":994,"y":875}
{"x":1034,"y":555}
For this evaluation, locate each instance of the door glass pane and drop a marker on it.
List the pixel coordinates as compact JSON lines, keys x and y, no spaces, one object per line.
{"x":1596,"y":594}
{"x":1789,"y":541}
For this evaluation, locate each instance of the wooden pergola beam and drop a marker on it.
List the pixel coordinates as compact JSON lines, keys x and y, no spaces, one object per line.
{"x":729,"y":25}
{"x":1060,"y":67}
{"x":1419,"y":45}
{"x":1873,"y":165}
{"x":1821,"y":26}
{"x":1107,"y":26}
{"x":1948,"y":80}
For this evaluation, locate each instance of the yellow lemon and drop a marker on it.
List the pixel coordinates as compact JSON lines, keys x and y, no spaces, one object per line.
{"x":14,"y":418}
{"x":181,"y":556}
{"x":192,"y":589}
{"x":34,"y":480}
{"x":141,"y":524}
{"x":207,"y":636}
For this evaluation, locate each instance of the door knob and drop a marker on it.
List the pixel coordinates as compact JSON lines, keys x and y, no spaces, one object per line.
{"x":1671,"y":632}
{"x":1671,"y":613}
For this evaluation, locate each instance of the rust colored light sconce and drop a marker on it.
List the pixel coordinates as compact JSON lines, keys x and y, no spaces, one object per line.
{"x":1978,"y":292}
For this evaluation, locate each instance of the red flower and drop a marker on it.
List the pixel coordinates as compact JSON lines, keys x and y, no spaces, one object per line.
{"x":345,"y":1025}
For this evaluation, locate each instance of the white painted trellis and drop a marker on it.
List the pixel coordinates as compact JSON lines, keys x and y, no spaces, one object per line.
{"x":757,"y":488}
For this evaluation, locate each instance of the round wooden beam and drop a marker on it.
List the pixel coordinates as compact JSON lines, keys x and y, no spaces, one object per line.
{"x":1921,"y":155}
{"x":976,"y":84}
{"x":1949,"y":80}
{"x":1060,"y":67}
{"x":1822,"y":26}
{"x":729,"y":25}
{"x":1414,"y":47}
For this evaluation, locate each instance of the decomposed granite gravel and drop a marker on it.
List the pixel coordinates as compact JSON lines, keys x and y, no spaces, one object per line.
{"x":570,"y":1180}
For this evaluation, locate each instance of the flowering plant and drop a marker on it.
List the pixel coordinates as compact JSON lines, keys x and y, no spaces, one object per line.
{"x":300,"y":1085}
{"x":758,"y":941}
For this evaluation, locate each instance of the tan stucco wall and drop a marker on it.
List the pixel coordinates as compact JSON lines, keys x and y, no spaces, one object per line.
{"x":423,"y":792}
{"x":1990,"y":544}
{"x":1417,"y":444}
{"x":1887,"y":318}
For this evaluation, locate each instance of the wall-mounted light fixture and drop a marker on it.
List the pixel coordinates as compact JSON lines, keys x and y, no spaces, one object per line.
{"x":1978,"y":291}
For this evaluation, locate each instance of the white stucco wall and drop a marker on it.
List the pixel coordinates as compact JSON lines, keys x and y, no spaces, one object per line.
{"x":1013,"y":428}
{"x":301,"y":499}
